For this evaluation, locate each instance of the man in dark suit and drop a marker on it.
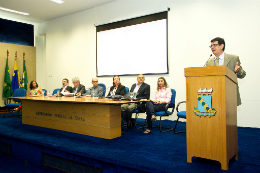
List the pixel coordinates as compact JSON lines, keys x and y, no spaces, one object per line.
{"x":221,"y":58}
{"x":143,"y":91}
{"x":78,"y":88}
{"x":66,"y":87}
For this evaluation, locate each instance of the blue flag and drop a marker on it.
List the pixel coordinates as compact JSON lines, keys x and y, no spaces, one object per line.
{"x":15,"y":78}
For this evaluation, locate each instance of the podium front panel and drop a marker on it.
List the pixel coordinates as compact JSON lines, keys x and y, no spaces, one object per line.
{"x":211,"y":136}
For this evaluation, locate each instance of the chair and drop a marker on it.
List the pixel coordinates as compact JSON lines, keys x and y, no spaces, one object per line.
{"x":124,"y":124}
{"x":126,"y":89}
{"x":104,"y":87}
{"x":166,"y":112}
{"x":180,"y":114}
{"x":137,"y":112}
{"x":21,"y":92}
{"x":45,"y":92}
{"x":55,"y":91}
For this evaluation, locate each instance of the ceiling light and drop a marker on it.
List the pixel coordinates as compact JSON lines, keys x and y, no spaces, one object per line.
{"x":13,"y":11}
{"x":58,"y":1}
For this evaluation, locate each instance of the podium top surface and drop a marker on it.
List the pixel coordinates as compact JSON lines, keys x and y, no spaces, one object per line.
{"x":210,"y":71}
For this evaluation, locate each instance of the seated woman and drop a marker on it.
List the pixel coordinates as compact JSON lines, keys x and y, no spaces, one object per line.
{"x":161,"y":97}
{"x":117,"y":88}
{"x":35,"y":89}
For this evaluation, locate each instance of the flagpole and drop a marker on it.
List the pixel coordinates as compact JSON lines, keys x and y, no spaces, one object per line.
{"x":23,"y":72}
{"x":7,"y":102}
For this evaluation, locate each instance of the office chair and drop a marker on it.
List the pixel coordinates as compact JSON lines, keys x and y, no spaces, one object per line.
{"x":104,"y":87}
{"x":166,"y":112}
{"x":122,"y":121}
{"x":180,"y":114}
{"x":45,"y":92}
{"x":126,"y":89}
{"x":55,"y":91}
{"x":21,"y":92}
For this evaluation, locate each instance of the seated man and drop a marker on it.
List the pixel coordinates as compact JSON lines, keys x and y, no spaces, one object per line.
{"x":96,"y":90}
{"x":78,"y":88}
{"x":143,"y":91}
{"x":66,"y":87}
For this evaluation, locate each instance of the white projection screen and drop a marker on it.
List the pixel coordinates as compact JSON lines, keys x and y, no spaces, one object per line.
{"x":134,"y":46}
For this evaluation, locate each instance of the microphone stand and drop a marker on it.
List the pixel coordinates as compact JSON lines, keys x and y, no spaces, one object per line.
{"x":208,"y":60}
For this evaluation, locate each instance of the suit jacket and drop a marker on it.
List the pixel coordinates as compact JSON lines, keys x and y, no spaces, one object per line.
{"x":230,"y":61}
{"x":81,"y":89}
{"x":68,"y":88}
{"x":98,"y":92}
{"x":120,"y":90}
{"x":143,"y":93}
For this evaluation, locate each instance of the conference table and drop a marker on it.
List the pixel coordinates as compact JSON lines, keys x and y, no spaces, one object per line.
{"x":85,"y":115}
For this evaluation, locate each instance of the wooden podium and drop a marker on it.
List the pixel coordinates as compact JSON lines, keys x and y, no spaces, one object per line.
{"x":212,"y":137}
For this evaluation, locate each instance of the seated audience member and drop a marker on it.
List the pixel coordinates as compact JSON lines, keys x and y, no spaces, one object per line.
{"x":161,"y":97}
{"x":78,"y":88}
{"x":143,"y":91}
{"x":96,"y":90}
{"x":117,"y":88}
{"x":35,"y":89}
{"x":65,"y":87}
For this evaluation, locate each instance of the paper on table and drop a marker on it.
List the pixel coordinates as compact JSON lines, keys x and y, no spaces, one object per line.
{"x":67,"y":94}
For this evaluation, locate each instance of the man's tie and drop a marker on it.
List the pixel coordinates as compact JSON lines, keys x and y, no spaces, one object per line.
{"x":217,"y":61}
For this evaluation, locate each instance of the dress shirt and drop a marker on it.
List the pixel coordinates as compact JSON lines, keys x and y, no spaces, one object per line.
{"x":95,"y":91}
{"x":64,"y":88}
{"x":221,"y":59}
{"x":137,"y":88}
{"x":163,"y":94}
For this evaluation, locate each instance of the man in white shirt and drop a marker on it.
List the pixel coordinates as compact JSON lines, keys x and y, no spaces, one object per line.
{"x":143,"y":91}
{"x":66,"y":87}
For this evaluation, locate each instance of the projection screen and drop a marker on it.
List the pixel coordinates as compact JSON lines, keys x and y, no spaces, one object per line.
{"x":134,"y":46}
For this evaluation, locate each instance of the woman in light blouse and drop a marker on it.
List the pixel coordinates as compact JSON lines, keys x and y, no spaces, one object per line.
{"x":161,"y":97}
{"x":35,"y":89}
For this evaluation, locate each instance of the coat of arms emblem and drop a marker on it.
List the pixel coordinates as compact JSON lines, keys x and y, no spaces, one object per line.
{"x":204,"y":100}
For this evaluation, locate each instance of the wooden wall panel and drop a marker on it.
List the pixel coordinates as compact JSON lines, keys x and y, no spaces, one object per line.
{"x":30,"y":58}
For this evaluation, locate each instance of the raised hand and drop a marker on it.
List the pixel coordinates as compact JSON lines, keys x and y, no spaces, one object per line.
{"x":237,"y":67}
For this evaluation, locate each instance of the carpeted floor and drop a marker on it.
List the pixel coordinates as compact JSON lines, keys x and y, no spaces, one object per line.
{"x":154,"y":152}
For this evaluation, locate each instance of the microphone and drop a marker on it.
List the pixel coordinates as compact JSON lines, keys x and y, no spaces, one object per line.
{"x":106,"y":89}
{"x":208,"y":60}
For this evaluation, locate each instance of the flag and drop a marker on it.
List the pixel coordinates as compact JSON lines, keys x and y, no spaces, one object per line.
{"x":15,"y":79}
{"x":7,"y":91}
{"x":24,"y":80}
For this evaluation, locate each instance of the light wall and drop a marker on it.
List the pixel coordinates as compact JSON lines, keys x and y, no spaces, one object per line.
{"x":70,"y":45}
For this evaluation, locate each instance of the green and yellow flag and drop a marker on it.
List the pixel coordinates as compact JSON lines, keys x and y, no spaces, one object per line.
{"x":7,"y":91}
{"x":24,"y":80}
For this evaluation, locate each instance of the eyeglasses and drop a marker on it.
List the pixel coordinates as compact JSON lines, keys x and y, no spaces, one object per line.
{"x":94,"y":81}
{"x":213,"y":45}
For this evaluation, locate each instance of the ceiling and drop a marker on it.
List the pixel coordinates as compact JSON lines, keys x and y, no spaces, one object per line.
{"x":44,"y":10}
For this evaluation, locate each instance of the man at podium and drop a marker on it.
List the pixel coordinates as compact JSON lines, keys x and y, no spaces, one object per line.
{"x":221,"y":58}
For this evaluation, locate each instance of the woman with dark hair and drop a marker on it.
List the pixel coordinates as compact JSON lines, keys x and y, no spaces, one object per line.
{"x":161,"y":97}
{"x":117,"y":88}
{"x":35,"y":89}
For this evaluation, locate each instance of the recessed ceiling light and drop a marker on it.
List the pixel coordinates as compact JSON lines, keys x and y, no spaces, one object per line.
{"x":58,"y":1}
{"x":13,"y":11}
